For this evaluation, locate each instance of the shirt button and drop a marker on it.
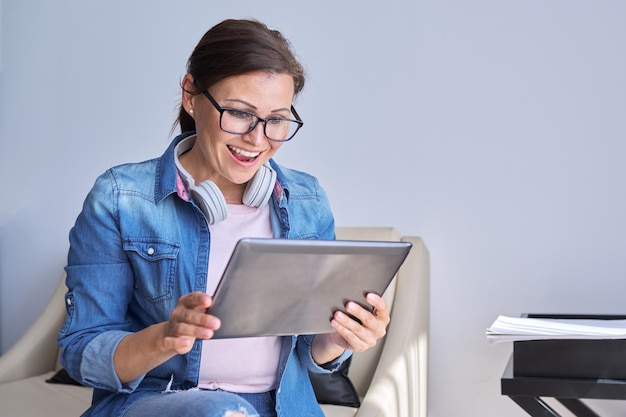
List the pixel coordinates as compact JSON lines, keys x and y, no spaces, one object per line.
{"x":150,"y":251}
{"x":69,"y":301}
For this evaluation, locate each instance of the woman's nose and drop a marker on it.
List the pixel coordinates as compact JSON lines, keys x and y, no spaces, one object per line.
{"x":256,"y":135}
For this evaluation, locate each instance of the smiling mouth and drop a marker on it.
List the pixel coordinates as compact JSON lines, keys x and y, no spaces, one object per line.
{"x":242,"y":155}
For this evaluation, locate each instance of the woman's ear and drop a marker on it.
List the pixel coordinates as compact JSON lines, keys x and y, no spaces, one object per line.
{"x":188,"y":96}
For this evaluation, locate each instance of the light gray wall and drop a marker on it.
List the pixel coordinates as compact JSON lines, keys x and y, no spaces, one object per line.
{"x":495,"y":130}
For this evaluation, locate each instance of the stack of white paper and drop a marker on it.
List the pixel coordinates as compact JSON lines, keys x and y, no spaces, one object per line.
{"x":506,"y":329}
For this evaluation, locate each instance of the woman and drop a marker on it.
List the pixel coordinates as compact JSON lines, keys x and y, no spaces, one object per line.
{"x":153,"y":238}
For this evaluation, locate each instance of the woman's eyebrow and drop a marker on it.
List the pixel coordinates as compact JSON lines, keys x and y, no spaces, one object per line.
{"x":234,"y":100}
{"x":252,"y":106}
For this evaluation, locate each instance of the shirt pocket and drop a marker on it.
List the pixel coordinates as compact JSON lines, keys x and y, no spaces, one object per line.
{"x":154,"y":265}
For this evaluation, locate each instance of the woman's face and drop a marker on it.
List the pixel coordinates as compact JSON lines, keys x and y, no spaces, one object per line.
{"x":231,"y":160}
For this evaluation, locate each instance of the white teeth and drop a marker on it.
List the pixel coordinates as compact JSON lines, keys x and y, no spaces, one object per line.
{"x":244,"y":153}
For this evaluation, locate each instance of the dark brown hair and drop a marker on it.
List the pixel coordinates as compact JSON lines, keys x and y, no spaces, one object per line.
{"x":235,"y":47}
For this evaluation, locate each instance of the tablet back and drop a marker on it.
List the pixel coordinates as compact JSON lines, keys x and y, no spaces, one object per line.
{"x":274,"y":287}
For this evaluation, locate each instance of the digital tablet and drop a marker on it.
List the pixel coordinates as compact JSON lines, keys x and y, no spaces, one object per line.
{"x":275,"y":287}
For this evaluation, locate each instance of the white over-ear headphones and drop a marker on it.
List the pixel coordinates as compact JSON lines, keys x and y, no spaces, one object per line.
{"x":208,"y":196}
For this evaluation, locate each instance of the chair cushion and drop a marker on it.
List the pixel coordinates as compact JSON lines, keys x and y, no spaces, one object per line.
{"x":338,"y":411}
{"x":35,"y":397}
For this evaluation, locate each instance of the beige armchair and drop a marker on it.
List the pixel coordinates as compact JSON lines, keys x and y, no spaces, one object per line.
{"x":390,"y":379}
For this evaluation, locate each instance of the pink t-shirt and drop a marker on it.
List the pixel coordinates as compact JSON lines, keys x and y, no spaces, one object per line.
{"x":243,"y":364}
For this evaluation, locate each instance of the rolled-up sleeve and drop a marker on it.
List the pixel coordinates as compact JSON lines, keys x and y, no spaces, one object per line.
{"x":303,"y":347}
{"x":97,"y":368}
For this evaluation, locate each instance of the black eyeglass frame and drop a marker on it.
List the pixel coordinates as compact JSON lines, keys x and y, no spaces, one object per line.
{"x":221,"y":111}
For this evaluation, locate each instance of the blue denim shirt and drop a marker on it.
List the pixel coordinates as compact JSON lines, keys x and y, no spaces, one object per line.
{"x":135,"y":249}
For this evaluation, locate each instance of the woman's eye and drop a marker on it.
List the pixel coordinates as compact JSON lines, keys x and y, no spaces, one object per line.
{"x":240,"y":114}
{"x":277,"y":121}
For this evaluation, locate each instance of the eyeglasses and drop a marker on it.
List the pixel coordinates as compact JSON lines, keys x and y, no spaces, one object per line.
{"x":240,"y":122}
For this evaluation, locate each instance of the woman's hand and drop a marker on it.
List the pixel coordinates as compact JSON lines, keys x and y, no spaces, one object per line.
{"x":349,"y":333}
{"x":146,"y":349}
{"x":188,"y":322}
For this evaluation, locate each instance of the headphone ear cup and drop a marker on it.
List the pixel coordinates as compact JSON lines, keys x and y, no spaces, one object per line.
{"x":260,"y":187}
{"x":210,"y":200}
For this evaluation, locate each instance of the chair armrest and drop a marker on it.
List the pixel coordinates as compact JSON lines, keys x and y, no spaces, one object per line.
{"x":36,"y":351}
{"x":399,"y":384}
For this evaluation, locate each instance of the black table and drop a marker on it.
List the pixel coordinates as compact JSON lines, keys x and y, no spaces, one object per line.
{"x":527,"y":392}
